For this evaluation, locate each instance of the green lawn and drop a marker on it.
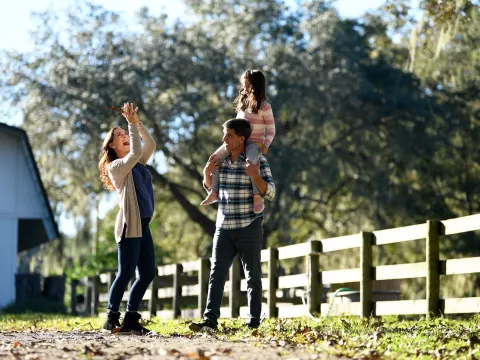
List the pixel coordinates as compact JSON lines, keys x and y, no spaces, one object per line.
{"x":388,"y":337}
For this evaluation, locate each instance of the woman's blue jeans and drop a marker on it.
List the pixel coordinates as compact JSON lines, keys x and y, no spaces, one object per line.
{"x":133,"y":253}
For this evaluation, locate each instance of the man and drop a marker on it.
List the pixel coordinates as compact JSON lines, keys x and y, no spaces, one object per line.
{"x":238,"y":229}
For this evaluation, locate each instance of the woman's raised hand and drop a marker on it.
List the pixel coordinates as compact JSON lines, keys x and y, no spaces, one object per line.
{"x":130,"y":113}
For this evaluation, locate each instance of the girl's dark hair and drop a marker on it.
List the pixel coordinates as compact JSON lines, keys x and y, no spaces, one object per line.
{"x":107,"y":156}
{"x":240,"y":126}
{"x":253,"y":94}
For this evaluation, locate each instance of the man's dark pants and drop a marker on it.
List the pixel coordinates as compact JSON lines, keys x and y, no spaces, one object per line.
{"x":226,"y":245}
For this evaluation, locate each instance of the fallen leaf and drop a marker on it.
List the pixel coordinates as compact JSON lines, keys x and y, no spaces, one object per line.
{"x":199,"y":355}
{"x":91,"y":350}
{"x":173,"y":352}
{"x":226,"y":351}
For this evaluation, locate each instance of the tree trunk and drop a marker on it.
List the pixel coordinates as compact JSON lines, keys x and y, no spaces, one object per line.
{"x":192,"y":210}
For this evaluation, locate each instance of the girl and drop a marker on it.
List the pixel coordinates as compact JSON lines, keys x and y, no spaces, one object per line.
{"x":122,"y":168}
{"x":251,"y":105}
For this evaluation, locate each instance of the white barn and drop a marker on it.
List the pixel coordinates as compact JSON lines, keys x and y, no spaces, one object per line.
{"x":26,"y":218}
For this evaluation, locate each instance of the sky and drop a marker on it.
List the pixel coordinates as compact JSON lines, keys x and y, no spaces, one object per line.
{"x":14,"y":30}
{"x":14,"y":35}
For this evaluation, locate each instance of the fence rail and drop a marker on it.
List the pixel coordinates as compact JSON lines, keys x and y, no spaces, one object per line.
{"x":180,"y":290}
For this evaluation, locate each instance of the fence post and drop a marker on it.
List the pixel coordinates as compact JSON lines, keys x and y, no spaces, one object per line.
{"x":433,"y":271}
{"x":234,"y":288}
{"x":73,"y":296}
{"x":88,"y":296}
{"x":152,"y":302}
{"x":272,"y":282}
{"x":313,"y":273}
{"x":95,"y":294}
{"x":203,"y":278}
{"x":177,"y":288}
{"x":366,"y":303}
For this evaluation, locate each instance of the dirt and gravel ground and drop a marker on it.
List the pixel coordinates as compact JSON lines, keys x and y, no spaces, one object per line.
{"x":40,"y":345}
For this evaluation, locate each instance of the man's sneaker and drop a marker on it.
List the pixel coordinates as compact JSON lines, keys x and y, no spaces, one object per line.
{"x":112,"y":323}
{"x":205,"y":325}
{"x":258,"y":205}
{"x":253,"y":324}
{"x":131,"y":325}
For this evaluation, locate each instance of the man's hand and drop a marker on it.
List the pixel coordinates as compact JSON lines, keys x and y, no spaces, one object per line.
{"x":252,"y":170}
{"x":212,"y":163}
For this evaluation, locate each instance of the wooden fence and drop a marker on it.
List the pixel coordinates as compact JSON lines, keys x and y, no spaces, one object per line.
{"x":183,"y":287}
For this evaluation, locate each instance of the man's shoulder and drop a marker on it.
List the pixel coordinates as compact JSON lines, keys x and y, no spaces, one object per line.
{"x":263,"y":160}
{"x":225,"y":159}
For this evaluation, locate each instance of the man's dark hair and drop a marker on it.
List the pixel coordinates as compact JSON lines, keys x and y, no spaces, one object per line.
{"x":240,"y":126}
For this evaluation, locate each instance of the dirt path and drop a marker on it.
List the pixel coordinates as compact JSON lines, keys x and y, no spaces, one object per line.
{"x":96,"y":345}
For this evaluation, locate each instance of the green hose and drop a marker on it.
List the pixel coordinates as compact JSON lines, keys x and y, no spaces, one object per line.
{"x":334,"y":296}
{"x":331,"y":302}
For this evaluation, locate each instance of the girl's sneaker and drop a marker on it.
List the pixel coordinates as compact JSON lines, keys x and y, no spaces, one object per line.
{"x":131,"y":325}
{"x":258,"y":205}
{"x":210,"y":199}
{"x":112,"y":323}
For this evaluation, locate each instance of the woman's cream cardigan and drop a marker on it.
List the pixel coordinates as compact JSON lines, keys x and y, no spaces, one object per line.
{"x":120,"y":173}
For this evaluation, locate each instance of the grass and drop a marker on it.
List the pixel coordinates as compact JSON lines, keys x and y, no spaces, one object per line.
{"x":388,"y":337}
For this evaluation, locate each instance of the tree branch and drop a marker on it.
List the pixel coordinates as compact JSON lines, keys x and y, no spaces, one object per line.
{"x":192,"y":211}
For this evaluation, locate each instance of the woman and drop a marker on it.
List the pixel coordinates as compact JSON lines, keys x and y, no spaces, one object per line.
{"x":122,"y":168}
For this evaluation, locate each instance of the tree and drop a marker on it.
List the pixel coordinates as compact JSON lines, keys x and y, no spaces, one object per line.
{"x":354,"y":131}
{"x":449,"y":13}
{"x":448,"y":69}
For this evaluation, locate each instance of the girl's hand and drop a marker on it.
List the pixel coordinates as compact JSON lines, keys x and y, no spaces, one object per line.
{"x":129,"y":113}
{"x":264,"y":150}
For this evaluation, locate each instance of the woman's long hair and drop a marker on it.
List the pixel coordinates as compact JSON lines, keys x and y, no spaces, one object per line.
{"x":252,"y":95}
{"x":107,"y":155}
